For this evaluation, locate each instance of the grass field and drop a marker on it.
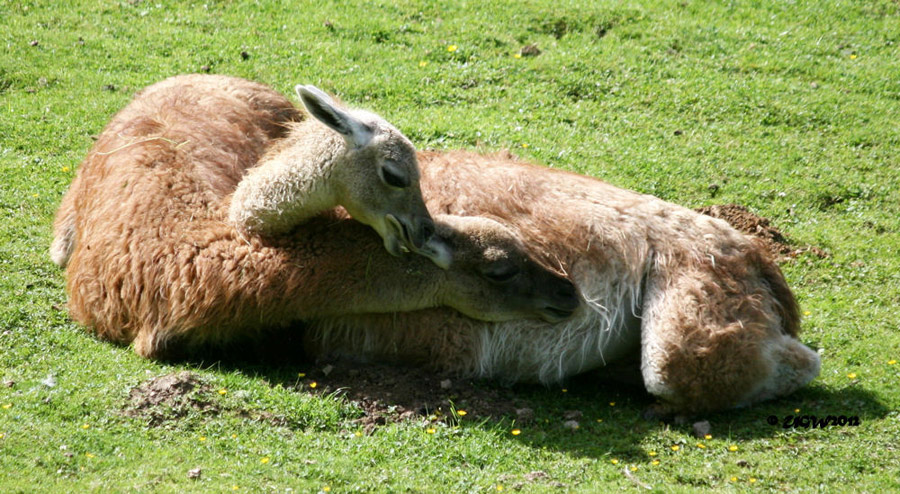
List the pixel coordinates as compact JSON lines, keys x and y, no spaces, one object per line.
{"x":788,"y":108}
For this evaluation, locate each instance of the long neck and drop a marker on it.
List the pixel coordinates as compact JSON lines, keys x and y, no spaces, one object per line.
{"x":291,"y":183}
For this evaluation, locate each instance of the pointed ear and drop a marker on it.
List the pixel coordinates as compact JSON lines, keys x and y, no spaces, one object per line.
{"x":322,"y":107}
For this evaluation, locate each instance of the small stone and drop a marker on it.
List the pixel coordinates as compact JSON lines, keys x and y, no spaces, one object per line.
{"x":531,"y":50}
{"x":34,"y":42}
{"x":678,"y":132}
{"x":524,"y":415}
{"x":204,"y":68}
{"x":701,"y":429}
{"x":743,"y":463}
{"x":446,"y":384}
{"x":572,"y":414}
{"x":572,"y":425}
{"x":244,"y":55}
{"x":194,"y":473}
{"x":109,"y":87}
{"x":9,"y":383}
{"x":814,"y":85}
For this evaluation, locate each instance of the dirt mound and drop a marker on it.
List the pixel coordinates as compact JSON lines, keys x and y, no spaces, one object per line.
{"x":169,"y":397}
{"x":778,"y":246}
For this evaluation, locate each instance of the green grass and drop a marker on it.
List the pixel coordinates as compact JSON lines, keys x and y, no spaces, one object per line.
{"x":791,"y":108}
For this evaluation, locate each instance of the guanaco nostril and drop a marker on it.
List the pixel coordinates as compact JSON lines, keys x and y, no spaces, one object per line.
{"x":426,"y":230}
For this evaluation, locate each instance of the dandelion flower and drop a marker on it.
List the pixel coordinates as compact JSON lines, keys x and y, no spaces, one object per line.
{"x":264,"y":460}
{"x":452,"y":48}
{"x":86,"y":426}
{"x":633,"y":468}
{"x":313,"y":385}
{"x":2,"y":435}
{"x":614,"y":461}
{"x":654,"y":462}
{"x":202,"y":438}
{"x":423,"y":63}
{"x":853,"y":57}
{"x":326,"y":488}
{"x":223,"y":391}
{"x":525,"y":145}
{"x":499,"y":487}
{"x":752,"y":480}
{"x":675,"y":447}
{"x":234,"y":436}
{"x":796,"y":410}
{"x":35,"y":195}
{"x":234,"y":487}
{"x":707,"y":437}
{"x":733,"y":447}
{"x":734,"y":479}
{"x":89,"y":455}
{"x":806,"y":313}
{"x":612,"y":403}
{"x":892,"y":362}
{"x":357,"y":434}
{"x":517,"y":55}
{"x":7,"y":406}
{"x":852,"y":375}
{"x":301,"y":374}
{"x":515,"y":432}
{"x":599,"y":420}
{"x":651,"y":453}
{"x":65,"y":169}
{"x":461,"y":413}
{"x":701,"y":445}
{"x":430,"y":430}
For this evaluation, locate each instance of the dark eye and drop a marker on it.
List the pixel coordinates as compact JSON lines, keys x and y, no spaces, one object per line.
{"x":393,"y":175}
{"x":501,"y":273}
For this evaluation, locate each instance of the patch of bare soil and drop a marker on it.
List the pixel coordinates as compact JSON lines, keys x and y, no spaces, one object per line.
{"x":389,"y":393}
{"x":778,"y":246}
{"x":169,"y":397}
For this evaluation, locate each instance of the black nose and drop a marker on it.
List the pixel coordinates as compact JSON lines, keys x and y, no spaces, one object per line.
{"x":424,"y":233}
{"x":567,"y":291}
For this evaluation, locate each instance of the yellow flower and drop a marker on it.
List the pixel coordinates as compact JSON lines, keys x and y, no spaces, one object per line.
{"x":701,"y":445}
{"x":313,"y":385}
{"x":675,"y":447}
{"x":223,"y":391}
{"x":423,"y":63}
{"x":853,"y":56}
{"x":89,"y":455}
{"x":612,"y":403}
{"x":430,"y":430}
{"x":461,"y":413}
{"x":525,"y":145}
{"x":202,"y":438}
{"x":707,"y":437}
{"x":86,"y":426}
{"x":892,"y":362}
{"x":264,"y":460}
{"x":614,"y":461}
{"x":65,"y":169}
{"x":234,"y":487}
{"x":35,"y":195}
{"x":733,"y":447}
{"x":734,"y":479}
{"x":326,"y":488}
{"x":499,"y":487}
{"x":806,"y":313}
{"x":7,"y":406}
{"x":654,"y":462}
{"x":2,"y":435}
{"x":852,"y":375}
{"x":752,"y":480}
{"x":234,"y":436}
{"x":451,"y":48}
{"x":517,"y":55}
{"x":796,"y":410}
{"x":633,"y":468}
{"x":515,"y":432}
{"x":651,"y":453}
{"x":301,"y":374}
{"x":599,"y":420}
{"x":357,"y":434}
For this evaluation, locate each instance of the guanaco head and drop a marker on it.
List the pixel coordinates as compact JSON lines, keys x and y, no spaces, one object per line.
{"x":377,"y":177}
{"x":492,"y":277}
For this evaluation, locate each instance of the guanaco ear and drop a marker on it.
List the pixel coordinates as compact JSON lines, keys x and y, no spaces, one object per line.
{"x":322,"y":107}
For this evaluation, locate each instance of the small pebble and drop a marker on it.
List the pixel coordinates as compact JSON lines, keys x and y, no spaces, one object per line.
{"x":701,"y":429}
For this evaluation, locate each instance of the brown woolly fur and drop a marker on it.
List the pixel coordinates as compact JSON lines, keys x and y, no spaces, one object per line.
{"x":152,"y":259}
{"x":707,"y":311}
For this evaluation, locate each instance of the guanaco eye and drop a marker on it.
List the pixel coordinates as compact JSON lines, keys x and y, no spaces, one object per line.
{"x":393,"y":175}
{"x":501,"y":272}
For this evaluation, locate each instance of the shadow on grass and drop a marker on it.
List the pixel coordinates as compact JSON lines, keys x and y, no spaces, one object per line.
{"x":588,"y":416}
